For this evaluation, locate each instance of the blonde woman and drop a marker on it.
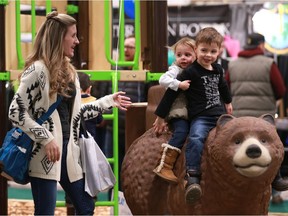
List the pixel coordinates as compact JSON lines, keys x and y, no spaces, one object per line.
{"x":48,"y":73}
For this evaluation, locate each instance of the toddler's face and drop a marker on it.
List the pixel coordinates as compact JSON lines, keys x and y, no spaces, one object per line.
{"x":184,"y":55}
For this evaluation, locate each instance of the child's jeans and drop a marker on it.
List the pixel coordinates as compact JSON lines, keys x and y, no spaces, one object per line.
{"x":180,"y":128}
{"x":199,"y":129}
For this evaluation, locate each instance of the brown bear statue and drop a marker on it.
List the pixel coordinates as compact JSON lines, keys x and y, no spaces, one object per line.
{"x":240,"y":159}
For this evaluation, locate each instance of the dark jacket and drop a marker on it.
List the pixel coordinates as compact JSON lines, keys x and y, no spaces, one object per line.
{"x":205,"y":95}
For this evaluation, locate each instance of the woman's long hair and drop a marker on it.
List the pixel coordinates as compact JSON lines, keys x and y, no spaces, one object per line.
{"x":48,"y":47}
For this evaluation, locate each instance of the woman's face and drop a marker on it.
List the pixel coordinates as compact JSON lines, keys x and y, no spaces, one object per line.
{"x":70,"y":41}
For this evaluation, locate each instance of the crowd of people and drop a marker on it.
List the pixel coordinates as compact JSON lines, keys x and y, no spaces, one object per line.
{"x":198,"y":91}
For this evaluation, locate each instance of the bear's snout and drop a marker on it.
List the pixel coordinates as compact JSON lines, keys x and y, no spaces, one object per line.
{"x":252,"y":158}
{"x":253,"y":151}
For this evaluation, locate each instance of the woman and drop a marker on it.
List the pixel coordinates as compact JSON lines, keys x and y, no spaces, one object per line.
{"x":48,"y":73}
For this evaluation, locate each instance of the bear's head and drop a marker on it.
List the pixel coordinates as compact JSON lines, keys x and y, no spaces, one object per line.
{"x":248,"y":146}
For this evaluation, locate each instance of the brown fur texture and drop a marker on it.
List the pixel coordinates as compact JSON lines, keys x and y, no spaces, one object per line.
{"x":225,"y":190}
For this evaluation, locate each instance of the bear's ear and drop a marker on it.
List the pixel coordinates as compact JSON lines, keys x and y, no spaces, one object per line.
{"x":269,"y":118}
{"x":223,"y":119}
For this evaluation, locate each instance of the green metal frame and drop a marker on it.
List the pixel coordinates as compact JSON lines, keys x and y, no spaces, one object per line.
{"x":72,"y":9}
{"x":33,"y":27}
{"x":4,"y":76}
{"x":112,"y":75}
{"x":107,"y":14}
{"x":4,"y":2}
{"x":18,"y":35}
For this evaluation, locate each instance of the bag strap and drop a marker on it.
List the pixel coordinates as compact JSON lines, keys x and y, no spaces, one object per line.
{"x":83,"y":125}
{"x":51,"y":109}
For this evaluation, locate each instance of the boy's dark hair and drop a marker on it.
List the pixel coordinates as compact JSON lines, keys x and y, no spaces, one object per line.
{"x":209,"y":35}
{"x":84,"y":80}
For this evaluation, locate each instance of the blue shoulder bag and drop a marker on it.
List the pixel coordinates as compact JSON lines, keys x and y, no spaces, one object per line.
{"x":15,"y":153}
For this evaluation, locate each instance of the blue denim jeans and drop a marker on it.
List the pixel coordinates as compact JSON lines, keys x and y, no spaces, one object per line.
{"x":180,"y":129}
{"x":44,"y":192}
{"x":199,"y":129}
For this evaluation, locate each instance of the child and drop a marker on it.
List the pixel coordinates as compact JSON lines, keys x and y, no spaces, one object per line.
{"x":206,"y":92}
{"x":178,"y":117}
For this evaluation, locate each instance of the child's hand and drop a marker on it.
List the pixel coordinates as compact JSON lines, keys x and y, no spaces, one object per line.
{"x":160,"y":125}
{"x":229,"y":108}
{"x":184,"y":85}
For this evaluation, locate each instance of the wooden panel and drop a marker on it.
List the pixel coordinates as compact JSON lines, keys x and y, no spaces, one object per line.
{"x":3,"y":108}
{"x":135,"y":123}
{"x":83,"y":35}
{"x":10,"y":35}
{"x":155,"y":94}
{"x":132,"y":75}
{"x":97,"y":58}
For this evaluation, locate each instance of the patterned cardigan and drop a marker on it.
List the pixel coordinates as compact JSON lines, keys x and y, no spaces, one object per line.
{"x":30,"y":101}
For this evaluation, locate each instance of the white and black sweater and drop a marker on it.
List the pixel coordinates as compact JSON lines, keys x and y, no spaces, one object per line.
{"x":30,"y":101}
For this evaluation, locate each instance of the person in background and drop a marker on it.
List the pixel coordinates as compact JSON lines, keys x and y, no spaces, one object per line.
{"x":256,"y":84}
{"x":48,"y":74}
{"x":95,"y":125}
{"x":205,"y":94}
{"x":178,"y":116}
{"x":222,"y":58}
{"x":137,"y":91}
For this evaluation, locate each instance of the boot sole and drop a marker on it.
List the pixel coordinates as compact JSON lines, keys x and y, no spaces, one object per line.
{"x":193,"y":194}
{"x":164,"y":178}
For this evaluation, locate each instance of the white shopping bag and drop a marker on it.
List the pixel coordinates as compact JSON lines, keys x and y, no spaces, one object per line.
{"x":99,"y":176}
{"x":123,"y":207}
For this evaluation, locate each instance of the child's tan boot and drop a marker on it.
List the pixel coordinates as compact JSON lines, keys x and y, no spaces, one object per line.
{"x":168,"y":159}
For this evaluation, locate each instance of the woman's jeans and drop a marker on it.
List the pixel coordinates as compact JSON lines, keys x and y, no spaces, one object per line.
{"x":199,"y":129}
{"x":44,"y":192}
{"x":180,"y":128}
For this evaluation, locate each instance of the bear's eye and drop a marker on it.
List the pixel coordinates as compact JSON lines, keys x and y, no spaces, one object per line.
{"x":237,"y":141}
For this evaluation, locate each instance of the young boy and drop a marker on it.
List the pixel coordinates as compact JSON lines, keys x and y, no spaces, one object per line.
{"x":206,"y":92}
{"x":178,"y":115}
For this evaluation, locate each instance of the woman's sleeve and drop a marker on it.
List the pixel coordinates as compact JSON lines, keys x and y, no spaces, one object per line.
{"x":31,"y":90}
{"x":93,"y":109}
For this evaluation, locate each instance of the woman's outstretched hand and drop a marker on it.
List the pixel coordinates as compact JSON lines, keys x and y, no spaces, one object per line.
{"x":122,"y":102}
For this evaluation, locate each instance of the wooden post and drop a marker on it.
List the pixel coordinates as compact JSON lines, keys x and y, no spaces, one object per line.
{"x":154,"y":35}
{"x":3,"y":113}
{"x":80,"y":59}
{"x":154,"y":46}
